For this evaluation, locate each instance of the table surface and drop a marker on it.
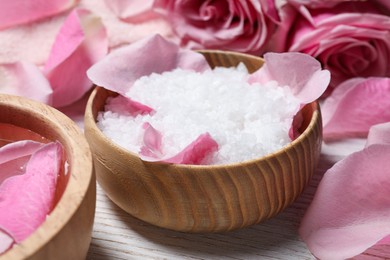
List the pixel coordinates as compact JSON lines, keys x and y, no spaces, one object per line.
{"x":117,"y":235}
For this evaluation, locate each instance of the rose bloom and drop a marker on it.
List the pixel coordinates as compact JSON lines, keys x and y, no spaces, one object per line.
{"x":244,"y":26}
{"x":350,"y":38}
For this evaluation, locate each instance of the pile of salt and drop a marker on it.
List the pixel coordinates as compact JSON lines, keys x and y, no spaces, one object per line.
{"x":246,"y":120}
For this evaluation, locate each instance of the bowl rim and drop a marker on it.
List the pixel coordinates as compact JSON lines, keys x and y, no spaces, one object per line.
{"x":80,"y":170}
{"x":315,"y":119}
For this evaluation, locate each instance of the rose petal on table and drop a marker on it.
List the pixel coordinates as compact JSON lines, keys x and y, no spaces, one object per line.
{"x":301,"y":72}
{"x":81,"y":42}
{"x":379,"y":134}
{"x":354,"y":106}
{"x":25,"y":200}
{"x":132,"y":11}
{"x":121,"y":68}
{"x":6,"y":242}
{"x":25,"y":79}
{"x":18,"y":12}
{"x":351,"y":208}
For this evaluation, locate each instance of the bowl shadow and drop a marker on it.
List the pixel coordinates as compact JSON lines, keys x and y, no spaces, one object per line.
{"x":275,"y":238}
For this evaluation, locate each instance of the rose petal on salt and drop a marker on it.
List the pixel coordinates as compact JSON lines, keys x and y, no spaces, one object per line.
{"x":81,"y":42}
{"x":18,"y":12}
{"x":301,"y":72}
{"x":6,"y":242}
{"x":25,"y":79}
{"x":351,"y":208}
{"x":194,"y":153}
{"x":121,"y":68}
{"x":152,"y":142}
{"x":25,"y":200}
{"x":354,"y":106}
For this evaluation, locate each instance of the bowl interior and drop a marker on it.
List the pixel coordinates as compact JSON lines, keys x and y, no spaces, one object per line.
{"x":25,"y":119}
{"x":205,"y":198}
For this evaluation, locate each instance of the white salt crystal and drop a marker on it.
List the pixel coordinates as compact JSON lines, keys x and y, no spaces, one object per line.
{"x":246,"y":120}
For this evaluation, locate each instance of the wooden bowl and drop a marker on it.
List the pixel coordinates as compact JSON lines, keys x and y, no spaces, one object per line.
{"x":66,"y":233}
{"x":195,"y":198}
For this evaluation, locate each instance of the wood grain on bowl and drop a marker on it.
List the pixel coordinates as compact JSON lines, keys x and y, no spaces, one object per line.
{"x":203,"y":198}
{"x":66,"y":233}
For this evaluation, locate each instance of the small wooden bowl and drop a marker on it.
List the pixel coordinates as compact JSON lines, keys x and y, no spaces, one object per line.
{"x":66,"y":233}
{"x":194,"y":198}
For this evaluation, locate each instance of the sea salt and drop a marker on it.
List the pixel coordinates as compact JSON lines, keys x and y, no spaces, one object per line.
{"x":246,"y":120}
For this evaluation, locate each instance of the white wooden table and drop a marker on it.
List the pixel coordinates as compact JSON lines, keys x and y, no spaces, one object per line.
{"x":117,"y":235}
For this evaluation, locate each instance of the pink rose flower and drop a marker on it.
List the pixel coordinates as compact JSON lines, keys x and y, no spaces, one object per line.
{"x":351,"y":39}
{"x":244,"y":26}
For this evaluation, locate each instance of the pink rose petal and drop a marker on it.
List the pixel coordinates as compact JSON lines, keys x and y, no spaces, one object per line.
{"x":301,"y":72}
{"x":355,"y":106}
{"x":121,"y":68}
{"x":6,"y":242}
{"x":134,"y":108}
{"x":351,"y":209}
{"x":152,"y":142}
{"x":25,"y":200}
{"x":14,"y":156}
{"x":26,"y":80}
{"x":132,"y":11}
{"x":17,"y":12}
{"x":81,"y":42}
{"x":194,"y":153}
{"x":379,"y":134}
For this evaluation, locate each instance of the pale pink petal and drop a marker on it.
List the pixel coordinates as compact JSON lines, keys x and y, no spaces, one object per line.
{"x":25,"y":200}
{"x":81,"y":42}
{"x":152,"y":142}
{"x":194,"y":153}
{"x":18,"y":11}
{"x":351,"y":208}
{"x":30,"y":42}
{"x":26,"y":80}
{"x":355,"y":106}
{"x":132,"y":11}
{"x":6,"y":242}
{"x":122,"y":67}
{"x":14,"y":157}
{"x":121,"y":103}
{"x":301,"y":72}
{"x":379,"y":134}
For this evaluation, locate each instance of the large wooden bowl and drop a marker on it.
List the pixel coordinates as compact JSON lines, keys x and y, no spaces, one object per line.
{"x":66,"y":233}
{"x":194,"y":198}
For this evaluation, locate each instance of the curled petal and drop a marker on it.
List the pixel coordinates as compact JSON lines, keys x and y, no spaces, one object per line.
{"x":26,"y":80}
{"x":6,"y":242}
{"x":132,"y":11}
{"x":379,"y":134}
{"x":122,"y":67}
{"x":301,"y":72}
{"x":355,"y":106}
{"x":134,"y":108}
{"x":351,"y":208}
{"x":81,"y":42}
{"x":193,"y":153}
{"x":19,"y":12}
{"x":26,"y":199}
{"x":152,"y":142}
{"x":14,"y":157}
